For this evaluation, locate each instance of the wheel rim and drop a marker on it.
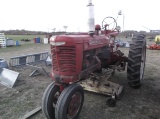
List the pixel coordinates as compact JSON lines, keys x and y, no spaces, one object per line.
{"x":55,"y":99}
{"x":142,"y":64}
{"x":74,"y":105}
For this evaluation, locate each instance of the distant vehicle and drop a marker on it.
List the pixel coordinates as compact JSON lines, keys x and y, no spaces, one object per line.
{"x":118,"y":42}
{"x":121,"y":43}
{"x":156,"y":45}
{"x":151,"y":37}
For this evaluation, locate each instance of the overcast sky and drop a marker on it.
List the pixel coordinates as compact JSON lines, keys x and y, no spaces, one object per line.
{"x":44,"y":15}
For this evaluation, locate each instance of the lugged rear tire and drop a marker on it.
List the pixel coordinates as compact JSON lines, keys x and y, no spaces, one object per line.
{"x":136,"y":61}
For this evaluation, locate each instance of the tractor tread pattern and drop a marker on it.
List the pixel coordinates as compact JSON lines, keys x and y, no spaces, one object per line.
{"x":139,"y":55}
{"x":130,"y":59}
{"x":130,"y":68}
{"x":136,"y":64}
{"x":134,"y":60}
{"x":132,"y":51}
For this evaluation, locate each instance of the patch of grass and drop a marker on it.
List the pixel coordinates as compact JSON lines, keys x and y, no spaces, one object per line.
{"x":21,"y":47}
{"x":19,"y":37}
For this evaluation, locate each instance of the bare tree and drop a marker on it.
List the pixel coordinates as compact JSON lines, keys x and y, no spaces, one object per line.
{"x":54,"y":29}
{"x":65,"y":27}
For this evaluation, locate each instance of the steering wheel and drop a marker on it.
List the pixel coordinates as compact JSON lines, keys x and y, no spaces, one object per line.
{"x":109,"y":22}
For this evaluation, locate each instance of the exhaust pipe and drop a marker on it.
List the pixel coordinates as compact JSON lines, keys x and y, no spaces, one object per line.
{"x":91,"y":20}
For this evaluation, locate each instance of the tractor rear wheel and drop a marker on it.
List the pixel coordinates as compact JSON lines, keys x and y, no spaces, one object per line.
{"x":70,"y":102}
{"x":49,"y":100}
{"x":136,"y":61}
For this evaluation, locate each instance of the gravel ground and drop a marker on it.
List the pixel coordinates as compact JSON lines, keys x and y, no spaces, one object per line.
{"x":143,"y":103}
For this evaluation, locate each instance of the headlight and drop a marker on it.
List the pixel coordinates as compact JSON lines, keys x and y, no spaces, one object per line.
{"x":52,"y":39}
{"x":57,"y":43}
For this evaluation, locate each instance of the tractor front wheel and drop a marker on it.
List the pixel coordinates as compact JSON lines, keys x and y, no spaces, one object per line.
{"x":49,"y":100}
{"x":136,"y":61}
{"x":70,"y":102}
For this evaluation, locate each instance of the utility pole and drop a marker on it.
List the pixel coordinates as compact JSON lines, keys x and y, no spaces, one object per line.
{"x":121,"y":13}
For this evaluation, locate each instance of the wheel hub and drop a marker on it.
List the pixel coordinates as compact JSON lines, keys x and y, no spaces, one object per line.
{"x":74,"y":105}
{"x":55,"y":99}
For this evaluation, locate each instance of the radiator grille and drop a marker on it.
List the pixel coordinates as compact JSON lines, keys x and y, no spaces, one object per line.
{"x":65,"y":59}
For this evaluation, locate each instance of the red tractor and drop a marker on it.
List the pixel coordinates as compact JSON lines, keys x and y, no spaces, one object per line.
{"x":82,"y":56}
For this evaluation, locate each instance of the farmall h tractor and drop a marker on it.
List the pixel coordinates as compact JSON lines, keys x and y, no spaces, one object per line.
{"x":85,"y":61}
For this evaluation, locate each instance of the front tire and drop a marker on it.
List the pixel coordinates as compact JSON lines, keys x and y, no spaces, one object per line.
{"x":136,"y":61}
{"x":49,"y":100}
{"x":70,"y":102}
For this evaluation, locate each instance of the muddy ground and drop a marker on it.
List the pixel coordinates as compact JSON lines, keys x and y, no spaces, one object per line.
{"x":143,"y":103}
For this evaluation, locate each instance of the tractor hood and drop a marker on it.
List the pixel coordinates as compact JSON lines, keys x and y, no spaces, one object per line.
{"x":67,"y":39}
